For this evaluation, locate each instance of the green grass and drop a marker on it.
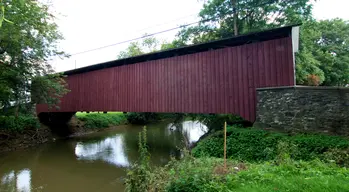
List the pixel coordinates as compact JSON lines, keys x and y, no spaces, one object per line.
{"x":201,"y":175}
{"x":100,"y":120}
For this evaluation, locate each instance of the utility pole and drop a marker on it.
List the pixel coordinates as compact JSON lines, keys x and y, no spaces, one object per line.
{"x":235,"y":14}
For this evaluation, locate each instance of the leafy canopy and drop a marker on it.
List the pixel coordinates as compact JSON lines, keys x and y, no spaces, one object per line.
{"x":26,"y":45}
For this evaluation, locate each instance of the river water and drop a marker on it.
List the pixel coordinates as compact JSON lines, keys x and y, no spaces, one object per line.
{"x":94,"y":162}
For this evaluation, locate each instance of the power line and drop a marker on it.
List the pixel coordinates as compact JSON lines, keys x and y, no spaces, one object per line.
{"x":158,"y":25}
{"x":126,"y":41}
{"x":156,"y":33}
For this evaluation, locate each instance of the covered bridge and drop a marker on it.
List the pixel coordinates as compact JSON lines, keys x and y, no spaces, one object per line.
{"x":215,"y":77}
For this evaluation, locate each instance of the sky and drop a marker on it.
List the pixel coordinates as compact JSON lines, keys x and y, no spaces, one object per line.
{"x":87,"y":24}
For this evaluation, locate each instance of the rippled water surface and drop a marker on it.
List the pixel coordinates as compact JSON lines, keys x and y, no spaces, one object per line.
{"x":95,"y":162}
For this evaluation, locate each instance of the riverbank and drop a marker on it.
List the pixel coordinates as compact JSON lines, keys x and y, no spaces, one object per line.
{"x":209,"y":175}
{"x":26,"y":131}
{"x":258,"y":160}
{"x":22,"y":132}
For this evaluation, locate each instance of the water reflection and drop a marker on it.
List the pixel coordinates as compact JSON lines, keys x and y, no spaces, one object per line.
{"x":17,"y":181}
{"x":110,"y":150}
{"x":192,"y":130}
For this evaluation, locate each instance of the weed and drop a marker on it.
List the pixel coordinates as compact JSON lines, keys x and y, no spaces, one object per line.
{"x":139,"y":175}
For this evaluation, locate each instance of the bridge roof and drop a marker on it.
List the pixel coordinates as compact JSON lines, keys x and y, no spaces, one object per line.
{"x":222,"y":43}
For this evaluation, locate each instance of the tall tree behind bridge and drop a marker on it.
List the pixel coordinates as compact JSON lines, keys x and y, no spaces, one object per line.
{"x":218,"y":17}
{"x":147,"y":45}
{"x":324,"y":53}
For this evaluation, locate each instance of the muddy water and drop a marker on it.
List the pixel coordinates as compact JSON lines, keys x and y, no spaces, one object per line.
{"x":94,"y":162}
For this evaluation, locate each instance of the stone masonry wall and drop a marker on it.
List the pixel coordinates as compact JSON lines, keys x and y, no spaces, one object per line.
{"x":303,"y":109}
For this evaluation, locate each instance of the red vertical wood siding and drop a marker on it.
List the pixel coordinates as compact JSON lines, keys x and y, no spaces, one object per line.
{"x":216,"y":81}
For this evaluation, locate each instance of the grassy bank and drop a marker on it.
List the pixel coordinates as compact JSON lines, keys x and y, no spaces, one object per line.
{"x":22,"y":132}
{"x":101,"y":120}
{"x":258,"y":160}
{"x":254,"y":145}
{"x":208,"y":175}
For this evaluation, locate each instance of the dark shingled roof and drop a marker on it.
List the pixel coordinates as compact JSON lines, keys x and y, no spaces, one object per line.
{"x":228,"y":42}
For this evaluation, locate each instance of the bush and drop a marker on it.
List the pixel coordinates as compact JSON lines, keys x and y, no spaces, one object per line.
{"x":141,"y":118}
{"x":258,"y":145}
{"x":18,"y":124}
{"x":338,"y":156}
{"x":139,"y":175}
{"x":101,"y":120}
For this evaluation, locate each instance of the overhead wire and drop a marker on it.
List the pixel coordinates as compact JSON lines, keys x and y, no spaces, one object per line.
{"x":137,"y":38}
{"x":164,"y":31}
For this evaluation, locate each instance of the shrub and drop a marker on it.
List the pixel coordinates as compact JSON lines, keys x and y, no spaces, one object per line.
{"x":259,"y":145}
{"x":141,"y":118}
{"x":338,"y":156}
{"x":18,"y":124}
{"x":187,"y":174}
{"x":139,"y":175}
{"x":101,"y":120}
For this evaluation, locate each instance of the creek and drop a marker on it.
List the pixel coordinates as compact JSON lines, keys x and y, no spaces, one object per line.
{"x":93,"y":162}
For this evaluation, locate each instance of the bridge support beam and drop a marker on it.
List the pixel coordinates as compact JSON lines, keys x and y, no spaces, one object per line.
{"x":57,"y":122}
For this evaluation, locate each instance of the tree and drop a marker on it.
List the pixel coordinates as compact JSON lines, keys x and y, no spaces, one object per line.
{"x":220,"y":17}
{"x":324,"y":52}
{"x":26,"y":44}
{"x":147,"y":45}
{"x":2,"y":12}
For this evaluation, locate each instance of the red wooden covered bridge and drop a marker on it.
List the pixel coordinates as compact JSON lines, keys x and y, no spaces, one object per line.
{"x":215,"y":77}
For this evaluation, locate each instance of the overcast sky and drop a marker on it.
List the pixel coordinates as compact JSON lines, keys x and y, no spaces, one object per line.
{"x":88,"y":24}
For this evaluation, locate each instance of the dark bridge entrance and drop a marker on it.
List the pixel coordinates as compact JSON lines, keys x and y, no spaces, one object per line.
{"x":215,"y":77}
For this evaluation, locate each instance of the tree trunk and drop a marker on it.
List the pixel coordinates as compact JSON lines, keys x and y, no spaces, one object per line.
{"x":235,"y":13}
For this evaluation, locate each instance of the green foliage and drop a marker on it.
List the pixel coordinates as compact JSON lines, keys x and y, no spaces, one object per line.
{"x":2,"y":12}
{"x":324,"y":52}
{"x":141,"y":118}
{"x":18,"y":124}
{"x":193,"y":175}
{"x":148,"y":45}
{"x":292,"y":176}
{"x":139,"y":175}
{"x":259,"y":145}
{"x":26,"y":44}
{"x":101,"y":120}
{"x":217,"y":18}
{"x":48,"y":89}
{"x":203,"y":175}
{"x":338,"y":156}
